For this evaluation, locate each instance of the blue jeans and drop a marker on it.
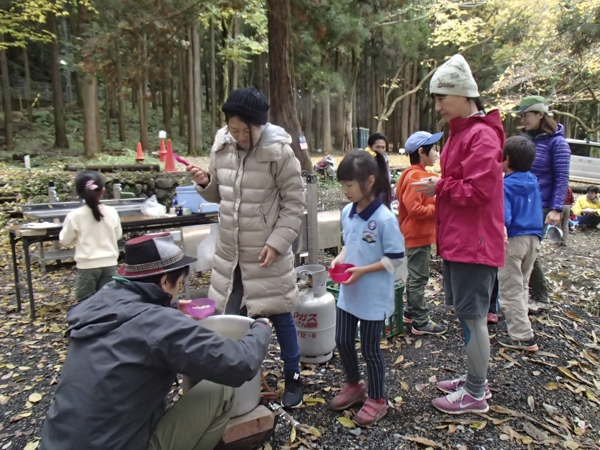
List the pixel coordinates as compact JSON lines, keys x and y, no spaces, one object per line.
{"x":590,"y":220}
{"x":285,"y":328}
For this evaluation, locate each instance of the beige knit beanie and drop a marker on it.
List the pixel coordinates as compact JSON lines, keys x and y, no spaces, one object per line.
{"x":454,"y":77}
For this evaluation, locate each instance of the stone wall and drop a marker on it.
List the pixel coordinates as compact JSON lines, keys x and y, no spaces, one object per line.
{"x":141,"y":184}
{"x":146,"y":184}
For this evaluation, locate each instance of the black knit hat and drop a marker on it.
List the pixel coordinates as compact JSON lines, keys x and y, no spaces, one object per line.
{"x":249,"y":104}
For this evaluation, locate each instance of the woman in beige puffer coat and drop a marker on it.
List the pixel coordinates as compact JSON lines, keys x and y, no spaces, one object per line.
{"x":255,"y":177}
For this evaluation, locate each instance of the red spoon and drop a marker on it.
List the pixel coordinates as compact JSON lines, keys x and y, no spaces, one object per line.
{"x":180,"y":160}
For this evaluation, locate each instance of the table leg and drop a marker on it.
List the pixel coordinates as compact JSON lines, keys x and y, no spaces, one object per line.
{"x":42,"y":257}
{"x":13,"y":250}
{"x":26,"y":245}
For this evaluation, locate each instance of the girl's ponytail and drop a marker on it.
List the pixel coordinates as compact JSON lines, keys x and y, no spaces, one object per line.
{"x":382,"y":180}
{"x":90,"y":186}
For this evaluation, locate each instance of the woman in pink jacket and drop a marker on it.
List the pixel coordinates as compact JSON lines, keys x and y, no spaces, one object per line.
{"x":469,"y":223}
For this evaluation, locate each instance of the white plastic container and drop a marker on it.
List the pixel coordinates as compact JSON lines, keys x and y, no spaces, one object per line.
{"x":247,"y":396}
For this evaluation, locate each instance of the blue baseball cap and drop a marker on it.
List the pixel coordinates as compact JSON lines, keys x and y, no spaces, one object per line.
{"x":420,"y":139}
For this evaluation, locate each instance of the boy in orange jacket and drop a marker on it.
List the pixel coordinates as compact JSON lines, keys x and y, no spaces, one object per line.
{"x":416,"y":214}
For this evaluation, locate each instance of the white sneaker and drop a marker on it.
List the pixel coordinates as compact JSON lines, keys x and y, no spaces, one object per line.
{"x":536,"y":307}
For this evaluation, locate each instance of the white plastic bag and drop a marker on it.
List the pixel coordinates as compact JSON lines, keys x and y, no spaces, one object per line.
{"x":152,"y":208}
{"x":206,"y":249}
{"x":401,"y":273}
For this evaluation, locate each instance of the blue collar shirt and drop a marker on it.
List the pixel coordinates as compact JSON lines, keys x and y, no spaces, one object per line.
{"x":368,"y":237}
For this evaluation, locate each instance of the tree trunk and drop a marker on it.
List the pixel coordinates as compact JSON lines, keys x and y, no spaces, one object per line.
{"x":236,"y":65}
{"x":120,"y":93}
{"x":224,"y":74}
{"x":113,"y":106}
{"x":142,"y":87}
{"x":282,"y":99}
{"x":308,"y":118}
{"x":89,"y":90}
{"x":134,"y":98}
{"x":260,"y":84}
{"x":6,"y":98}
{"x":152,"y":83}
{"x":76,"y":19}
{"x":374,"y":97}
{"x":28,"y":98}
{"x":181,"y":92}
{"x":338,"y":119}
{"x":166,"y":95}
{"x":60,"y":129}
{"x":107,"y":96}
{"x":347,"y":144}
{"x":213,"y":80}
{"x":190,"y":96}
{"x":413,"y":124}
{"x":318,"y":124}
{"x":405,"y":117}
{"x":98,"y":118}
{"x":326,"y":130}
{"x":68,"y":60}
{"x":197,"y":90}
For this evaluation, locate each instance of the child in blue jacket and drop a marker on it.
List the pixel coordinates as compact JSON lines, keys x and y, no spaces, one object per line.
{"x":523,"y":220}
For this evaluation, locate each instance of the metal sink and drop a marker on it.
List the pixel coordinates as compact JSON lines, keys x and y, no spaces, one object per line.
{"x":48,"y":212}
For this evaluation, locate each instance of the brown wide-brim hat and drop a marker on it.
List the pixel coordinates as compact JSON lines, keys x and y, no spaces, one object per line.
{"x":153,"y":254}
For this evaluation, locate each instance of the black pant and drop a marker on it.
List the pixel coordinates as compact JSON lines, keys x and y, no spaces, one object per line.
{"x":370,"y":335}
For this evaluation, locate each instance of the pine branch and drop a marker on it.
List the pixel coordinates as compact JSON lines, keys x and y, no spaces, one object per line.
{"x":416,"y":89}
{"x":578,"y":120}
{"x":589,"y":89}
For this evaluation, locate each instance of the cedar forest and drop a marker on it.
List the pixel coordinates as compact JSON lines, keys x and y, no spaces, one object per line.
{"x":327,"y":66}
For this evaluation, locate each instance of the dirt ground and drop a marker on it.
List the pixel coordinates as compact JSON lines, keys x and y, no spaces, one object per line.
{"x":548,"y":399}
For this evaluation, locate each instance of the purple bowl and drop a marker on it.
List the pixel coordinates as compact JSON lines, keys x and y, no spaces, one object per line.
{"x":201,"y":308}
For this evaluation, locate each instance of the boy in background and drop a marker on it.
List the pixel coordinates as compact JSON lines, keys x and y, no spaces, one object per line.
{"x":523,"y":219}
{"x":416,"y":214}
{"x":587,"y":209}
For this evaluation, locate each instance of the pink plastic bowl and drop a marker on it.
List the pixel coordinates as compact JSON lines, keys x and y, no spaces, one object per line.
{"x":339,"y":274}
{"x":201,"y":308}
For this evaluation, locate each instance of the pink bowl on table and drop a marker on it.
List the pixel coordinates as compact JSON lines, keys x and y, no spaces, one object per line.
{"x":201,"y":308}
{"x":339,"y":274}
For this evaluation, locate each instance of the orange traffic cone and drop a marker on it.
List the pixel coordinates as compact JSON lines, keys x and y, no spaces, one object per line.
{"x":139,"y":154}
{"x":163,"y":151}
{"x":169,"y":159}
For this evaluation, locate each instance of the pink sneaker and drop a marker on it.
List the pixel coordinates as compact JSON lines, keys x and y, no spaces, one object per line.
{"x":492,"y":318}
{"x":450,"y":386}
{"x":350,"y":394}
{"x":371,"y":412}
{"x":460,"y":402}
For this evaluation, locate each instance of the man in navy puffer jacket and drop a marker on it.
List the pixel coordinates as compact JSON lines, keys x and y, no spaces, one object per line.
{"x":551,"y":167}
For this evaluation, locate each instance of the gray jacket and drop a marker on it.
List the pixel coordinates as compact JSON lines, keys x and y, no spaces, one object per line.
{"x":126,"y":348}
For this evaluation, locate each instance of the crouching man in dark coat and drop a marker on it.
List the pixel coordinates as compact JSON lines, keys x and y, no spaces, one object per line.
{"x":126,"y":347}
